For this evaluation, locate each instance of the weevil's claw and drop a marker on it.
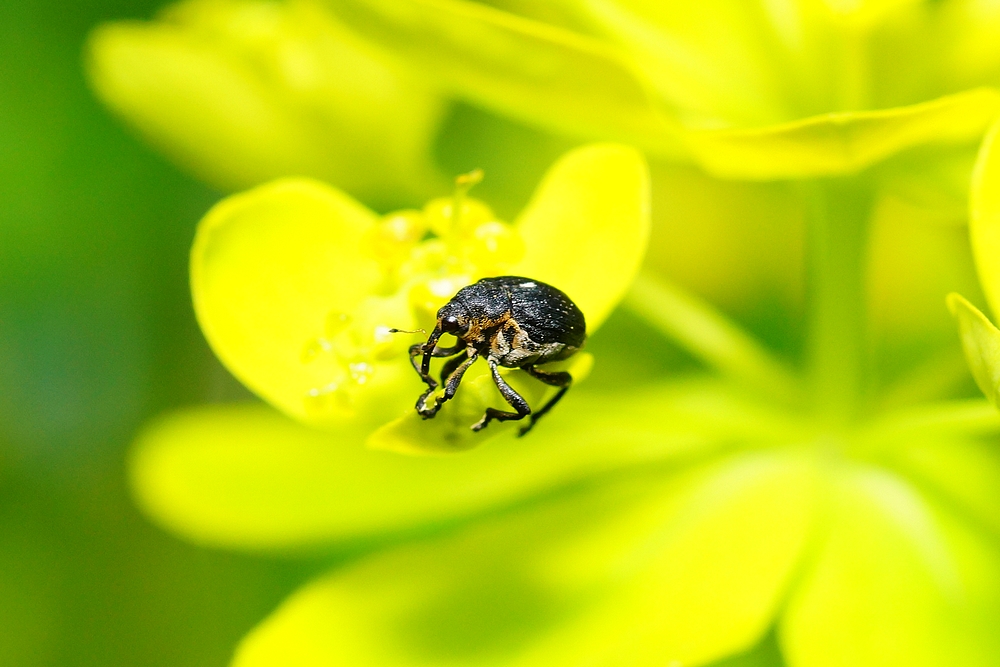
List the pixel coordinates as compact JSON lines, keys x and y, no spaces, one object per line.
{"x":421,"y":406}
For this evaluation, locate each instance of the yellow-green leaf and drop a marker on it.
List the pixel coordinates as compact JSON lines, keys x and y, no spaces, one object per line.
{"x":981,"y":343}
{"x":710,"y":336}
{"x":844,"y":142}
{"x":713,"y":61}
{"x":647,"y":570}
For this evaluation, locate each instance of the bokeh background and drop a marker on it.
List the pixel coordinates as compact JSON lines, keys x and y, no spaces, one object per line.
{"x":96,"y":335}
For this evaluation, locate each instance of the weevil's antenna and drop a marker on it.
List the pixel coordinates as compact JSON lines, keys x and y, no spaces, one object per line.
{"x":419,"y":331}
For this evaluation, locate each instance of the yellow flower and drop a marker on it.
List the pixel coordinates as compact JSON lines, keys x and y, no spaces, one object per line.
{"x":297,"y":286}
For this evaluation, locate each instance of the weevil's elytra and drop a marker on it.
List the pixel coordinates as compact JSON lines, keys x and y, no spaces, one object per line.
{"x":513,"y":322}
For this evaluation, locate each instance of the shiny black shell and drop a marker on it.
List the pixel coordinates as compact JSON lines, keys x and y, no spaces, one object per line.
{"x":544,"y":313}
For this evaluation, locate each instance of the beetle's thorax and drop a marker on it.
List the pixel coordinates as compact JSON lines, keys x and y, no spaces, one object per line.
{"x":487,"y":316}
{"x":482,"y":332}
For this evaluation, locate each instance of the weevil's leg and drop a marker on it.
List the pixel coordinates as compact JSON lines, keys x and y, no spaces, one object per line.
{"x":432,"y":385}
{"x":424,"y":352}
{"x":455,"y":377}
{"x":509,"y":395}
{"x":457,"y":370}
{"x":430,"y":349}
{"x":416,"y":353}
{"x":449,"y":351}
{"x":560,"y":379}
{"x":450,"y":366}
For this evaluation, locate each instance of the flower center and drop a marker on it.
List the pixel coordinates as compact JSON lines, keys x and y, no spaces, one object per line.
{"x":426,"y":256}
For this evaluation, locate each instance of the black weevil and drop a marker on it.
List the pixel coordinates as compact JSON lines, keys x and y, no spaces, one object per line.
{"x":512,"y":321}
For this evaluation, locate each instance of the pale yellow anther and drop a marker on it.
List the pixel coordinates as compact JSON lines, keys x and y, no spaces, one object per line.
{"x":426,"y":297}
{"x":429,"y":258}
{"x":443,"y":221}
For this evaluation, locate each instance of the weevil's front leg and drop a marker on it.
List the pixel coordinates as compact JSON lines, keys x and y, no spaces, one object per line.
{"x":420,"y":351}
{"x":515,"y":399}
{"x":560,"y":379}
{"x":449,"y":366}
{"x":454,"y":372}
{"x":424,"y":352}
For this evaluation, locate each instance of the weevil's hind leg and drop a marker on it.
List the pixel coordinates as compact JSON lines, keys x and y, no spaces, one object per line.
{"x":515,"y":399}
{"x":560,"y":379}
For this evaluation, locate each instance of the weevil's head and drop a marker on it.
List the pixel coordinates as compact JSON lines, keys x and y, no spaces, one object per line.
{"x":453,"y":318}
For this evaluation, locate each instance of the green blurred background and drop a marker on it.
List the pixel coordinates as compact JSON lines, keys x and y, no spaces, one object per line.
{"x":96,"y":335}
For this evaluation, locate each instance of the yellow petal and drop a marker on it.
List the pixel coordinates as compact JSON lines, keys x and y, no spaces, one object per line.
{"x":587,"y":226}
{"x":905,"y":305}
{"x":270,"y":269}
{"x":984,"y":217}
{"x":247,"y":477}
{"x":981,"y":342}
{"x":641,"y":571}
{"x":450,"y":431}
{"x":243,"y":92}
{"x":839,"y":143}
{"x":966,"y":471}
{"x":895,"y":582}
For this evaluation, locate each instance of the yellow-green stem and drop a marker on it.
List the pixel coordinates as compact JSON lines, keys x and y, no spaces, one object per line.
{"x":836,"y":237}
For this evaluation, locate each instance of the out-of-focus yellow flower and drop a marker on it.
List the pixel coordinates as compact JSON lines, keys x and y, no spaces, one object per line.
{"x":980,"y":339}
{"x":242,"y":92}
{"x":748,"y":91}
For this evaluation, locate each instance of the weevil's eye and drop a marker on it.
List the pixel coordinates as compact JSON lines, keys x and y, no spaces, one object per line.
{"x":453,"y":325}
